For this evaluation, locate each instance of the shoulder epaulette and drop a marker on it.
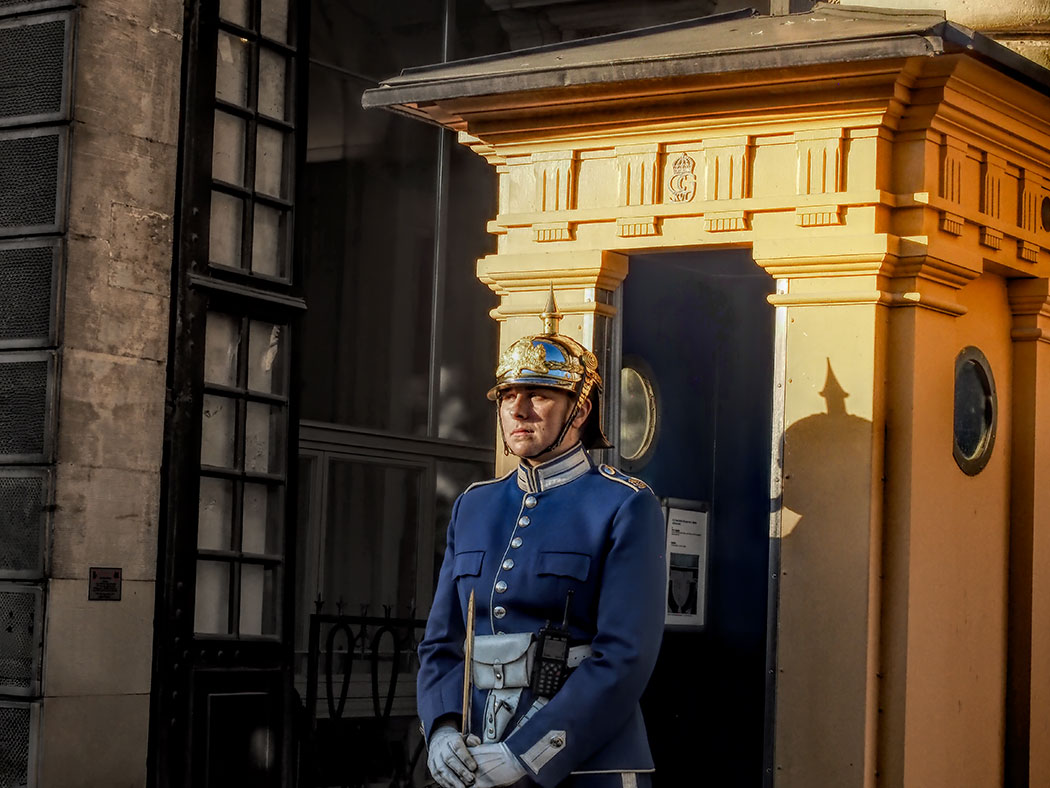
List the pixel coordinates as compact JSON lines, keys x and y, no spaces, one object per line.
{"x":616,"y":475}
{"x":483,"y":482}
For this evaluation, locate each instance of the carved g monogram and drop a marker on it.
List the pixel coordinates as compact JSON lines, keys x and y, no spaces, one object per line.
{"x":682,"y":185}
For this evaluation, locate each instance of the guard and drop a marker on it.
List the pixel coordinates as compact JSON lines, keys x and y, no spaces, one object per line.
{"x":557,"y":572}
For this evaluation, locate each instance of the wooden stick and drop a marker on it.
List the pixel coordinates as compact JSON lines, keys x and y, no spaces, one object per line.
{"x":468,"y":666}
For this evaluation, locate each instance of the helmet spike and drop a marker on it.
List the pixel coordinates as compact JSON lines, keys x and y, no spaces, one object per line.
{"x":550,"y":315}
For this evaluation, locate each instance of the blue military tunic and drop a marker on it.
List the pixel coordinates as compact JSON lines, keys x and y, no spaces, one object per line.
{"x":521,"y":543}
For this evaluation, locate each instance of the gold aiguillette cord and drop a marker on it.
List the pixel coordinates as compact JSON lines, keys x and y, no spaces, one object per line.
{"x":468,"y":661}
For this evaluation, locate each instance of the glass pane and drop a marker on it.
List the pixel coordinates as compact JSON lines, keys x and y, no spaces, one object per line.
{"x":266,"y":357}
{"x":215,"y":515}
{"x":218,"y":430}
{"x":370,"y":549}
{"x":222,"y":343}
{"x":264,"y":438}
{"x":469,"y":338}
{"x":269,"y":162}
{"x":269,"y":241}
{"x":273,"y":78}
{"x":211,"y":608}
{"x":452,"y":478}
{"x":368,"y":282}
{"x":263,"y":513}
{"x":227,"y":156}
{"x":235,"y":11}
{"x":259,"y":600}
{"x":227,"y":213}
{"x":274,"y":22}
{"x":380,"y":38}
{"x":307,"y":551}
{"x":231,"y":69}
{"x":972,"y":408}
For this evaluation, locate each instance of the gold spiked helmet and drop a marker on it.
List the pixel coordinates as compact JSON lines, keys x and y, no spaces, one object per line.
{"x":556,"y":361}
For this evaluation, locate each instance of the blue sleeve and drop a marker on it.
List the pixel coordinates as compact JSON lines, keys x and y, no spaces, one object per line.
{"x":602,"y":694}
{"x":439,"y":683}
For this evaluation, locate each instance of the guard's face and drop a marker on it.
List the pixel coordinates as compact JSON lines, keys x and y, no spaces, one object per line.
{"x":532,"y":417}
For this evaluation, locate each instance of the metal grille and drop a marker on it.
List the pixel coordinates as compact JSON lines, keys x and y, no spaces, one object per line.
{"x":23,"y":407}
{"x":19,"y":638}
{"x":15,"y":730}
{"x":25,"y":292}
{"x":29,"y":174}
{"x":9,"y":7}
{"x":22,"y":522}
{"x":32,"y":60}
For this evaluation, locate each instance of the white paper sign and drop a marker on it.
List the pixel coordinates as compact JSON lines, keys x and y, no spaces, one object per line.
{"x":686,"y":568}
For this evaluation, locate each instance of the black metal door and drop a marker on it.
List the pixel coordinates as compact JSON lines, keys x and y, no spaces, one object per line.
{"x":222,"y":706}
{"x":699,"y":326}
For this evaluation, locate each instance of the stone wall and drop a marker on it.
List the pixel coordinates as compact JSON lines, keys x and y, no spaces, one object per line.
{"x":111,"y":407}
{"x":1022,"y":25}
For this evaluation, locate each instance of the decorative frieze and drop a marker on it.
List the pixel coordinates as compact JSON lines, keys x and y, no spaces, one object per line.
{"x":819,"y":171}
{"x":638,"y":170}
{"x":553,"y":231}
{"x":728,"y":163}
{"x":952,"y":222}
{"x":638,"y":227}
{"x":819,"y":215}
{"x":1028,"y":252}
{"x":728,"y":168}
{"x":993,"y":173}
{"x":991,"y":238}
{"x":555,"y":180}
{"x":952,"y":158}
{"x":726,"y":221}
{"x":555,"y":173}
{"x":1028,"y":193}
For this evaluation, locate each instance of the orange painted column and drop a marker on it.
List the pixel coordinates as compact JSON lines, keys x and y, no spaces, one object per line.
{"x":1028,"y":687}
{"x":830,"y":532}
{"x":943,"y":650}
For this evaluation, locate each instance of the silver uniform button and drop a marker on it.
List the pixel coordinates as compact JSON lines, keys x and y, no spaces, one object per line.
{"x":508,"y":563}
{"x":501,"y":586}
{"x":530,"y":501}
{"x":515,"y":542}
{"x":557,"y":741}
{"x":524,"y":521}
{"x":499,"y":611}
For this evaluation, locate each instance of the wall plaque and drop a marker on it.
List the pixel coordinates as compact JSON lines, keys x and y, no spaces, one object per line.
{"x":104,"y":584}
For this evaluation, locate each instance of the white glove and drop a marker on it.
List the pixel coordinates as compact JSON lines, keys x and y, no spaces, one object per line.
{"x":448,"y":758}
{"x":496,"y":765}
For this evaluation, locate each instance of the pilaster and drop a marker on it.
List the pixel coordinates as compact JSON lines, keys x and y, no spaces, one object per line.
{"x":1028,"y":676}
{"x":836,"y":317}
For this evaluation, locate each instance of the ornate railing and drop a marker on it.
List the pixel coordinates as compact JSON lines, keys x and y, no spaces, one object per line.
{"x":361,"y":727}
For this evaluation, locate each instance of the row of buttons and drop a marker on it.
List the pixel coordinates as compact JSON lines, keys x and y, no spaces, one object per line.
{"x":523,"y":522}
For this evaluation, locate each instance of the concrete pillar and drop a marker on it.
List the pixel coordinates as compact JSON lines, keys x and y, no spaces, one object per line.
{"x":97,"y":658}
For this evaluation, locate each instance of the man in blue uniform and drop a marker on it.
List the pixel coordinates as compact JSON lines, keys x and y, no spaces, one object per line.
{"x":559,"y":539}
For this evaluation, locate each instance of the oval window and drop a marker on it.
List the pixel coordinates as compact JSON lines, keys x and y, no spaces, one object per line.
{"x":975,"y":411}
{"x":637,"y":414}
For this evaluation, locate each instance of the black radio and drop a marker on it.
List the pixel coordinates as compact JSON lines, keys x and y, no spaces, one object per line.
{"x":550,"y":668}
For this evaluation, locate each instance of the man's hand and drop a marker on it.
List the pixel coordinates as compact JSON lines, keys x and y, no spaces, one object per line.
{"x":496,"y":765}
{"x":448,"y":758}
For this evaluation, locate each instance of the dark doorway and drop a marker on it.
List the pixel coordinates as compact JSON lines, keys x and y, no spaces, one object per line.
{"x":698,"y":326}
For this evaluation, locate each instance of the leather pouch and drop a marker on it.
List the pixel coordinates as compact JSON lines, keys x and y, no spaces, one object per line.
{"x":503,"y":661}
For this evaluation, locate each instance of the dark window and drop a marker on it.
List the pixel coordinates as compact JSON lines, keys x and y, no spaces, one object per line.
{"x":976,"y":410}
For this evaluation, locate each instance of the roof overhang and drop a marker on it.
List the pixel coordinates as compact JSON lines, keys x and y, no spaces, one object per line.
{"x":721,"y":44}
